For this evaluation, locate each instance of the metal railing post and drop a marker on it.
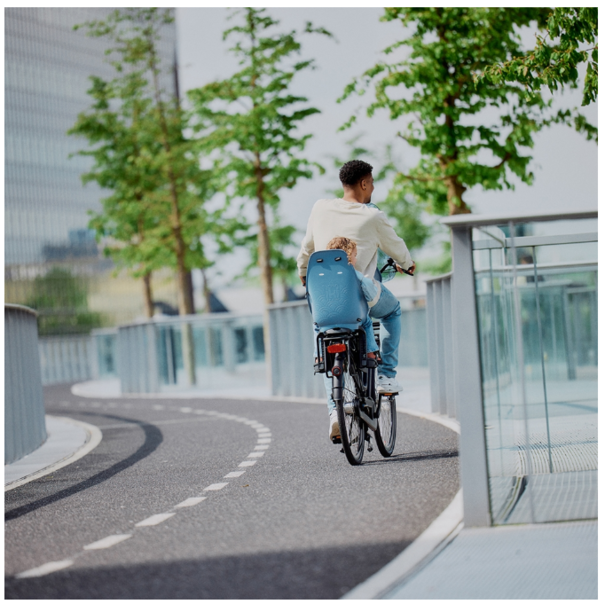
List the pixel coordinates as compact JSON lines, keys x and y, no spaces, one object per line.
{"x":433,"y":345}
{"x":468,"y":397}
{"x":24,"y":422}
{"x":448,"y":366}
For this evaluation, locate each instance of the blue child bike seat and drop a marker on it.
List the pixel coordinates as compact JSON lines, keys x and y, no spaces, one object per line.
{"x":334,"y":293}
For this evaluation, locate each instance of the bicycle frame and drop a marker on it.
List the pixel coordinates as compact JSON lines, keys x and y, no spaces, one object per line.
{"x":362,"y":369}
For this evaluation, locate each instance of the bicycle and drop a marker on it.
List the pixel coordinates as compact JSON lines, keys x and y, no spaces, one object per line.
{"x":338,"y":307}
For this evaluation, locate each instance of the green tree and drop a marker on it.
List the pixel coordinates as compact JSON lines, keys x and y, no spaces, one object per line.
{"x":252,"y":118}
{"x":155,"y":215}
{"x":62,"y":304}
{"x":555,"y":64}
{"x":452,"y":116}
{"x":120,"y":151}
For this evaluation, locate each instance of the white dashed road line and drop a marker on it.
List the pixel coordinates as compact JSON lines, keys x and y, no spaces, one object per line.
{"x":264,"y":439}
{"x":107,"y":542}
{"x":190,"y":502}
{"x":215,"y":487}
{"x":154,"y":519}
{"x":45,"y":569}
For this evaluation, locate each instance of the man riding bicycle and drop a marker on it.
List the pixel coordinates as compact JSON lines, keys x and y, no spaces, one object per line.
{"x":370,"y":229}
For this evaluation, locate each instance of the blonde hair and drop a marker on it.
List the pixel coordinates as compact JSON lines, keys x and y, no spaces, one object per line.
{"x":343,"y":243}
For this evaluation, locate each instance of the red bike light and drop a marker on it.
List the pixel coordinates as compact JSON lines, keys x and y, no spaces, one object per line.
{"x":338,"y":348}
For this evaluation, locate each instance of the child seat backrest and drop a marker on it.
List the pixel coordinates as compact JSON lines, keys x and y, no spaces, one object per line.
{"x":334,"y":293}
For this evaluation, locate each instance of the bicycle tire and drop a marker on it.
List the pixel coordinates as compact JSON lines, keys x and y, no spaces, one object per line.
{"x":386,"y":433}
{"x":352,"y":427}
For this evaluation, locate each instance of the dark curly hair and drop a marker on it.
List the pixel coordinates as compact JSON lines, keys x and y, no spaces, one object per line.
{"x":352,"y":172}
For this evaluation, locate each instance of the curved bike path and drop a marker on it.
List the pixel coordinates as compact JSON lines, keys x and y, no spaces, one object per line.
{"x":298,"y":522}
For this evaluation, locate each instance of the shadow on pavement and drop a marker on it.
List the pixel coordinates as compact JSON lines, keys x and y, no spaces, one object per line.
{"x":414,"y":457}
{"x":153,"y":438}
{"x":310,"y":574}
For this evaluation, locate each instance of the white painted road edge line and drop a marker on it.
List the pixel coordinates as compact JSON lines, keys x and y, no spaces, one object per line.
{"x":93,"y":438}
{"x":45,"y":569}
{"x":108,"y":542}
{"x":447,"y":523}
{"x":154,"y":519}
{"x":450,"y":423}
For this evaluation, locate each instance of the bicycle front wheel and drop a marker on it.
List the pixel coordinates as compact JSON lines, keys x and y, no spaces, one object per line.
{"x":386,"y":432}
{"x":352,"y":427}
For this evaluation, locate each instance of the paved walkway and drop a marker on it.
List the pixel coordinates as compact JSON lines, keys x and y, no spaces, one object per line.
{"x":67,"y":441}
{"x":545,"y":561}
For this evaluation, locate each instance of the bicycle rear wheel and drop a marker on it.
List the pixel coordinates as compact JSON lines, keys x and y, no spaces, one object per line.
{"x":386,"y":432}
{"x":352,"y":427}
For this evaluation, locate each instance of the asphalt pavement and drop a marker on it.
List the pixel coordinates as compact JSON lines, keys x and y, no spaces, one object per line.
{"x":205,"y":498}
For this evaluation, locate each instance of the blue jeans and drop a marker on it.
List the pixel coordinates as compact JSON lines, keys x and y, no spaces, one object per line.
{"x":388,"y":311}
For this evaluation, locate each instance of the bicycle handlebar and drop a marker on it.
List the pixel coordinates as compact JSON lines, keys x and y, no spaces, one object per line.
{"x":392,"y":263}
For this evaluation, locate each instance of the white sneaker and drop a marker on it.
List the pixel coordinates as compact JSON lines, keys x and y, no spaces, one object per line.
{"x":334,"y":428}
{"x":388,"y":385}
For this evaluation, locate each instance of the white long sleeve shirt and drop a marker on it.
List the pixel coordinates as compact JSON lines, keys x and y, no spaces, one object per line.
{"x":368,"y":227}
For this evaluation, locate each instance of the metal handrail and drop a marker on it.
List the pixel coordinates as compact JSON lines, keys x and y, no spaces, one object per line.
{"x":592,"y":265}
{"x":474,"y":220}
{"x":20,"y":308}
{"x":536,"y":240}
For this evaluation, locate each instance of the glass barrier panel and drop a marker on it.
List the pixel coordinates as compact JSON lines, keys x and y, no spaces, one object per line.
{"x":537,"y":319}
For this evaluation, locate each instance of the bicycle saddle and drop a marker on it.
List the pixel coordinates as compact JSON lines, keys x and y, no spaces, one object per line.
{"x":334,"y":292}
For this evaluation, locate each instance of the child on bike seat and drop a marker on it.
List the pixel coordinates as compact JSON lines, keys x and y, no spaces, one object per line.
{"x":371,"y":291}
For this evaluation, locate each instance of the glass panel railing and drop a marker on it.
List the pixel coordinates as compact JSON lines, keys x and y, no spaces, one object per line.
{"x":223,"y":351}
{"x":537,"y":316}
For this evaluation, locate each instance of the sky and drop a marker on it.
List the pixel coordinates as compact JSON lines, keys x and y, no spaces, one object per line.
{"x":564,"y":164}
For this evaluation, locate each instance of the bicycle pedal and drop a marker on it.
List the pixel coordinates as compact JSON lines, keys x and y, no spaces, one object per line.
{"x":336,"y":440}
{"x":342,"y":450}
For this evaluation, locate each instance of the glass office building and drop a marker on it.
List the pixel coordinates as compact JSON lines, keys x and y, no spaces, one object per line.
{"x":47,"y":66}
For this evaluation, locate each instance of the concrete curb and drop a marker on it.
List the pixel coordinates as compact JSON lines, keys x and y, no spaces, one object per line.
{"x":439,"y":533}
{"x":436,"y":536}
{"x":63,"y":434}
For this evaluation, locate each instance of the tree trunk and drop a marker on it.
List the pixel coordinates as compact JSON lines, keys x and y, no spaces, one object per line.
{"x":455,"y":203}
{"x":264,"y":245}
{"x":206,"y":290}
{"x":264,"y":261}
{"x":147,"y":294}
{"x":285,"y":286}
{"x":185,"y":299}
